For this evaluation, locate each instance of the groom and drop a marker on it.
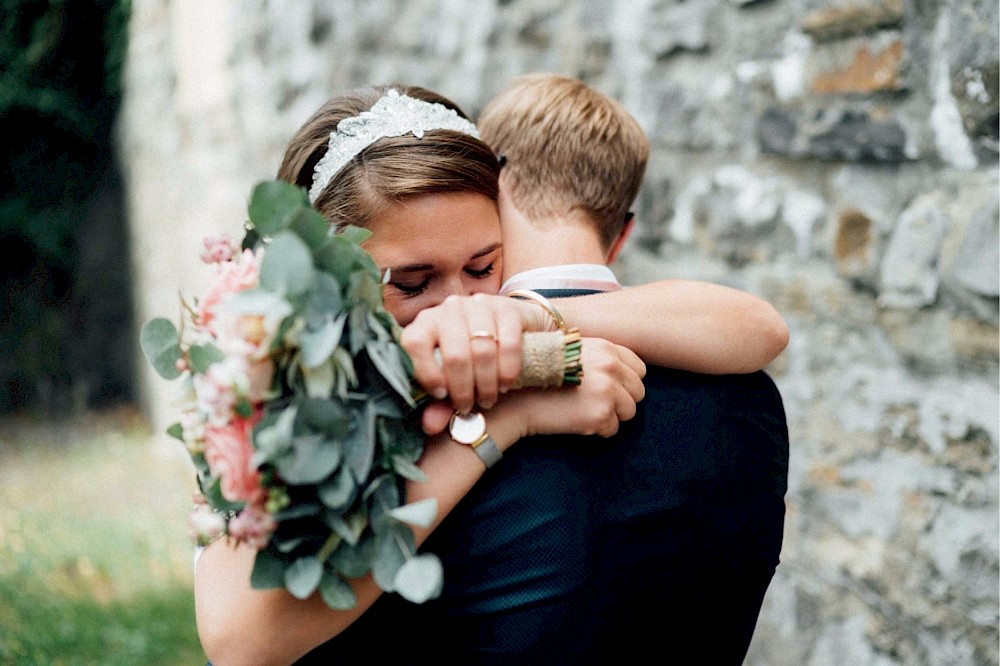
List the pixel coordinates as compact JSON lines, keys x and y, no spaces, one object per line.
{"x":664,"y":537}
{"x":684,"y":510}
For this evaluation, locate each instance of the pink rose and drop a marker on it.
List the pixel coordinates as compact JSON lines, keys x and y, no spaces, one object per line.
{"x":232,"y":278}
{"x":229,"y":454}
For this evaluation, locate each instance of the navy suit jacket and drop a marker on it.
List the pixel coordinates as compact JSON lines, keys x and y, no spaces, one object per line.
{"x":576,"y":550}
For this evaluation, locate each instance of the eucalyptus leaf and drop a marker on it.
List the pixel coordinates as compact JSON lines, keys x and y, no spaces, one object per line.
{"x":274,"y":440}
{"x":336,"y":592}
{"x":310,"y":226}
{"x":420,"y":578}
{"x":202,"y":356}
{"x":160,"y":344}
{"x":317,"y":345}
{"x":389,"y":557}
{"x":359,"y":445}
{"x":325,"y":297}
{"x":287,"y":267}
{"x":176,"y":431}
{"x":302,"y":576}
{"x":274,"y":204}
{"x":268,"y":571}
{"x":313,"y":459}
{"x":386,"y":358}
{"x":339,"y":490}
{"x":324,"y":416}
{"x":342,"y":528}
{"x":299,"y":509}
{"x":420,"y":513}
{"x":407,"y":469}
{"x":319,"y":380}
{"x":345,"y":371}
{"x":289,"y":545}
{"x":353,"y":234}
{"x":364,"y":288}
{"x":354,"y":561}
{"x":357,"y":327}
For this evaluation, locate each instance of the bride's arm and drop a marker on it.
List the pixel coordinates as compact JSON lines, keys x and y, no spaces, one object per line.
{"x":243,"y":626}
{"x":682,"y":324}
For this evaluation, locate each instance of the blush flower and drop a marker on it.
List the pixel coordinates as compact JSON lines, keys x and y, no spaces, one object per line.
{"x":233,"y":277}
{"x":229,"y":454}
{"x":205,"y":525}
{"x":247,"y":323}
{"x":218,"y":249}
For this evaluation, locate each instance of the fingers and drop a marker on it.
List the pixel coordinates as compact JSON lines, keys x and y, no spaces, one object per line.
{"x":435,"y":417}
{"x":478,"y":343}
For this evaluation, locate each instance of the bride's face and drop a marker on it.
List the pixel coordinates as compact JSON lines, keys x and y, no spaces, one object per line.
{"x":436,"y":245}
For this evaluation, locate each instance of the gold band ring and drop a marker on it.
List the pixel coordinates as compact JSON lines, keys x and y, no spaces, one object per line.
{"x":486,"y":335}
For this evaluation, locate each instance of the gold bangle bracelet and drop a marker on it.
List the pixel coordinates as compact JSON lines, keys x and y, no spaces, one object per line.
{"x":535,"y":297}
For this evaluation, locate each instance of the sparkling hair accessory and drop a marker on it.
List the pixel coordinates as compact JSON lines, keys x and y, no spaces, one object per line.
{"x":392,"y":115}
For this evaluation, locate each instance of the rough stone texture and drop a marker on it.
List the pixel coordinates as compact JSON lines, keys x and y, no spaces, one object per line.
{"x":837,"y":157}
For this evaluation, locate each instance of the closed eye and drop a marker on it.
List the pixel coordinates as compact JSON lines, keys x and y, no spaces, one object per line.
{"x":412,"y":289}
{"x":482,"y":272}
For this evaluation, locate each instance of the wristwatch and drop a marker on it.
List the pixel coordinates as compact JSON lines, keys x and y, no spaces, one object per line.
{"x":471,"y":429}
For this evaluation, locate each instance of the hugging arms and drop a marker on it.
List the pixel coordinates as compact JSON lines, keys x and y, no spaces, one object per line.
{"x":430,"y":202}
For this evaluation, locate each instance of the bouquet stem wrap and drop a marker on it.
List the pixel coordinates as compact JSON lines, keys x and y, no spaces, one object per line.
{"x":550,"y":359}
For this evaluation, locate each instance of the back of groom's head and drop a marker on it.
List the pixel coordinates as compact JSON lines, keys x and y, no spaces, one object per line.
{"x":568,"y":149}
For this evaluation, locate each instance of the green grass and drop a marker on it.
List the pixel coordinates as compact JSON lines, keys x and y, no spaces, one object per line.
{"x":95,"y":562}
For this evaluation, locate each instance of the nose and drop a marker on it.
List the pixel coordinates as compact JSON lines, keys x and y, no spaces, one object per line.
{"x":454,"y":285}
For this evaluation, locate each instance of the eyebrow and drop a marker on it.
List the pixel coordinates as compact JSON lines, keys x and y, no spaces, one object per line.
{"x":416,"y":268}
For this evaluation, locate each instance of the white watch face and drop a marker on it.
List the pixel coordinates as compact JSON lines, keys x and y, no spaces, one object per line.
{"x":467,"y":428}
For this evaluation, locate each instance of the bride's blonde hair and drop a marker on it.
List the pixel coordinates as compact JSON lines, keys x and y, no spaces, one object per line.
{"x":392,"y":168}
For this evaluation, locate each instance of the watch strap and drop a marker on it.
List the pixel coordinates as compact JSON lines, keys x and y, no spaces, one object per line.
{"x":488,"y":451}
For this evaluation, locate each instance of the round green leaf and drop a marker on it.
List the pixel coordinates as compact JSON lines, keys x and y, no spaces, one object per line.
{"x":420,"y":578}
{"x":302,"y":576}
{"x":336,"y":592}
{"x":310,"y":226}
{"x":287,"y":267}
{"x":338,"y":491}
{"x":203,"y":356}
{"x":161,"y":346}
{"x":274,"y":204}
{"x":268,"y":571}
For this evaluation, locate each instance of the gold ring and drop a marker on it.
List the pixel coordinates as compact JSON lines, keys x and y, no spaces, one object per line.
{"x":482,"y":334}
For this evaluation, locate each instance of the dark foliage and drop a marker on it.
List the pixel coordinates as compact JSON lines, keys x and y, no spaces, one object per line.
{"x":65,"y":323}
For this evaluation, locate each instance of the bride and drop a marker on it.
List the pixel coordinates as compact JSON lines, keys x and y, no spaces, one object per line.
{"x":406,"y":164}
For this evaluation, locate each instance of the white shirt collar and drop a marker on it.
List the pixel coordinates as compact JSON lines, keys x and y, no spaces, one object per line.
{"x":596,"y":277}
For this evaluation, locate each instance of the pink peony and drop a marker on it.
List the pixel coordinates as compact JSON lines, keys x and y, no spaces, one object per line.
{"x":233,"y":277}
{"x":229,"y":454}
{"x":253,"y":526}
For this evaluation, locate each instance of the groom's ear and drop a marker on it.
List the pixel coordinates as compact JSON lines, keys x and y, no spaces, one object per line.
{"x":619,"y":242}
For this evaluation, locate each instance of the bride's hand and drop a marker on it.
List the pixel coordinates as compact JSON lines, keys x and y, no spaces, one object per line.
{"x":610,"y":388}
{"x":479,"y":338}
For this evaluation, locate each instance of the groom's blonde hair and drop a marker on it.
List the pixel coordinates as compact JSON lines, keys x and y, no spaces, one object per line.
{"x":568,"y":148}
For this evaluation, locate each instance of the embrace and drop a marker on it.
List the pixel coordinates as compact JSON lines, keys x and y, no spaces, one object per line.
{"x":637,"y":513}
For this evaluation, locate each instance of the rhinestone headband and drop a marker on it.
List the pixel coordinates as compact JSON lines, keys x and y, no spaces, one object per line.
{"x":392,"y":115}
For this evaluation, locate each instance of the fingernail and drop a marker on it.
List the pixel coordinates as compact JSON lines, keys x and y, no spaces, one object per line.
{"x":440,"y":393}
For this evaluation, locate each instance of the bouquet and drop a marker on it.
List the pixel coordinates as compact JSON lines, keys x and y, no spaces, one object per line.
{"x":297,"y":406}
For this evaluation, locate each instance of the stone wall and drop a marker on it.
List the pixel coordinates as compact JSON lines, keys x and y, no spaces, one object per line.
{"x":837,"y":157}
